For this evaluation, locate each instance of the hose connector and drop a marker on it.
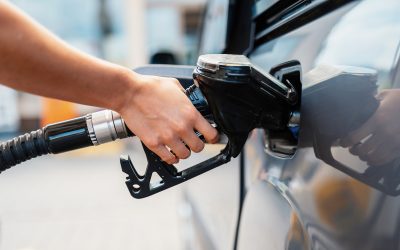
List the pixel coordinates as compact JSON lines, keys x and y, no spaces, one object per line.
{"x":105,"y":126}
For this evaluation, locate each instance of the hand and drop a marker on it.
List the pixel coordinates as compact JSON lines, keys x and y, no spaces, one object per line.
{"x":378,"y":140}
{"x":162,"y":116}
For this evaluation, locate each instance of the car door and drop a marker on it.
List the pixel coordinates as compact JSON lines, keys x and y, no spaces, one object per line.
{"x":210,"y":202}
{"x":313,"y":201}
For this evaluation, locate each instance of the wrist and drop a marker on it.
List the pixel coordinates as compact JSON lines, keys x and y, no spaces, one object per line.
{"x":126,"y":84}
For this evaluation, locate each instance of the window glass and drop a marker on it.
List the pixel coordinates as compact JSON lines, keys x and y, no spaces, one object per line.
{"x":215,"y":27}
{"x":367,"y":36}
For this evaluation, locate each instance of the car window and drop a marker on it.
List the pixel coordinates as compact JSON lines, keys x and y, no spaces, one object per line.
{"x":213,"y":37}
{"x":367,"y":36}
{"x":302,"y":44}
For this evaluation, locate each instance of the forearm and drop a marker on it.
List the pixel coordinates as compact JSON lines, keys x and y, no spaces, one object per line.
{"x":33,"y":60}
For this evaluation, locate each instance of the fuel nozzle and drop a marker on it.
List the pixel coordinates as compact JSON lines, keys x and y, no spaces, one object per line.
{"x":243,"y":97}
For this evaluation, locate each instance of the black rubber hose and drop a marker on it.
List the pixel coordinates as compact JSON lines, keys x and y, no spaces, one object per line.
{"x":22,"y":148}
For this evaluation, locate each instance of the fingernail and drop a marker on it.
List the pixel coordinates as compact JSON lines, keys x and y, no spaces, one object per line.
{"x":215,"y":139}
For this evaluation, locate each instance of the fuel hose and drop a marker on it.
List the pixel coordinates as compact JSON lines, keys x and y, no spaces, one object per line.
{"x":90,"y":130}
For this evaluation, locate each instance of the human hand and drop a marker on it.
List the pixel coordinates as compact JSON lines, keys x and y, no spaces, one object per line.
{"x":378,"y":140}
{"x":162,"y":116}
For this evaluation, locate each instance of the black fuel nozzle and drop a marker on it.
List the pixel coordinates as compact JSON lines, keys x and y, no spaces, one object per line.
{"x":238,"y":97}
{"x":242,"y":97}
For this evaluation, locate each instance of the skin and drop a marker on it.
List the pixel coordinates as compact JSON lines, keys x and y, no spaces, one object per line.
{"x":382,"y":132}
{"x":154,"y":108}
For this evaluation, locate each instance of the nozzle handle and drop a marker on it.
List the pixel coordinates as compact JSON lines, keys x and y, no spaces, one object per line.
{"x":141,"y":186}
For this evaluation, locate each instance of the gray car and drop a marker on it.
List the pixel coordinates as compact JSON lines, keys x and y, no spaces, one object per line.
{"x":340,"y":189}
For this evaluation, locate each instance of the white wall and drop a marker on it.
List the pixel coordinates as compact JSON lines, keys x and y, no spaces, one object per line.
{"x":134,"y":22}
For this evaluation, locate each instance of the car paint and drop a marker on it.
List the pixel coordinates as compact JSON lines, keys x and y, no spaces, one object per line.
{"x":303,"y":202}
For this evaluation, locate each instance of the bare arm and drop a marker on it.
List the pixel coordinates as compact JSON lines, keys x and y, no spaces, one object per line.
{"x":155,"y":109}
{"x":35,"y":61}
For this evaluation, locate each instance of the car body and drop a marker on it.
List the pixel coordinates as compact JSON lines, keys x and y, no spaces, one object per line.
{"x":309,"y":201}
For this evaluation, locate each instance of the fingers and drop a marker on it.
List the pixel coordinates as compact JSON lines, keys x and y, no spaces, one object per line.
{"x":205,"y":128}
{"x":384,"y":153}
{"x":376,"y":151}
{"x":369,"y":145}
{"x":170,"y":148}
{"x":179,"y":149}
{"x":164,"y":154}
{"x":361,"y":133}
{"x":193,"y":141}
{"x":380,"y":156}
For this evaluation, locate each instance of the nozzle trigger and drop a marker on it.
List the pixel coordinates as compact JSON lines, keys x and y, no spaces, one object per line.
{"x":140,"y":186}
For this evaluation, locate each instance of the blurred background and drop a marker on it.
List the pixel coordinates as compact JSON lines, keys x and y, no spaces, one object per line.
{"x":130,"y":33}
{"x":79,"y":200}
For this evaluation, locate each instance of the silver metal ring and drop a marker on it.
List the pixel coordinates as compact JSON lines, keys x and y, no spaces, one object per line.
{"x":105,"y":126}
